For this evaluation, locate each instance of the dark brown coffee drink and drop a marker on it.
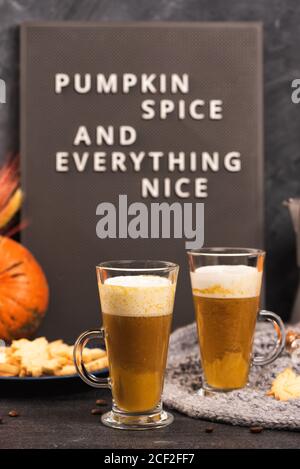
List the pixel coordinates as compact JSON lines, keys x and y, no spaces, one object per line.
{"x":137,"y":313}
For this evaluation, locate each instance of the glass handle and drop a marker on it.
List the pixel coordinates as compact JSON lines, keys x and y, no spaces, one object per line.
{"x":280,"y":342}
{"x":80,"y":343}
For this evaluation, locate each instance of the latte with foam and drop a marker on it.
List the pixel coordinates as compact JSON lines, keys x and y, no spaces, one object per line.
{"x":226,"y":300}
{"x":137,"y":313}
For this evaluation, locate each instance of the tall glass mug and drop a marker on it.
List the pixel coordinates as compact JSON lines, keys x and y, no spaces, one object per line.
{"x":137,"y":299}
{"x":226,"y":284}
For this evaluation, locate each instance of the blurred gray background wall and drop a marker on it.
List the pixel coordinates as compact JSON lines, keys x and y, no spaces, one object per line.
{"x":281,"y":19}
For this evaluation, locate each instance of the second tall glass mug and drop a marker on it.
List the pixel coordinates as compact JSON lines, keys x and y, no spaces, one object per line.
{"x":226,"y":286}
{"x":137,"y":299}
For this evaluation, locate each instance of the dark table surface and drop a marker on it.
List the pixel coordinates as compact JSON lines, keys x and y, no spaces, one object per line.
{"x":59,"y":416}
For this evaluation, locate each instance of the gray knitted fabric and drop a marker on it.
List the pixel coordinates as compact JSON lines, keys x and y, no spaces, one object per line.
{"x":249,"y":406}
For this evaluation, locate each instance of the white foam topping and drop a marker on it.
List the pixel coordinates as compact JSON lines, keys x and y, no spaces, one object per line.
{"x":138,"y":281}
{"x":226,"y":281}
{"x":137,"y":295}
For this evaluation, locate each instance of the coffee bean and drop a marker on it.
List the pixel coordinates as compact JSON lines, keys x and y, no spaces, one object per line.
{"x":13,"y":413}
{"x":209,"y":429}
{"x":96,"y":411}
{"x":256,"y":429}
{"x":101,"y":402}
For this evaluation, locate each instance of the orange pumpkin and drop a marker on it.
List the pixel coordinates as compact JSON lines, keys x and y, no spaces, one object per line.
{"x":24,"y":291}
